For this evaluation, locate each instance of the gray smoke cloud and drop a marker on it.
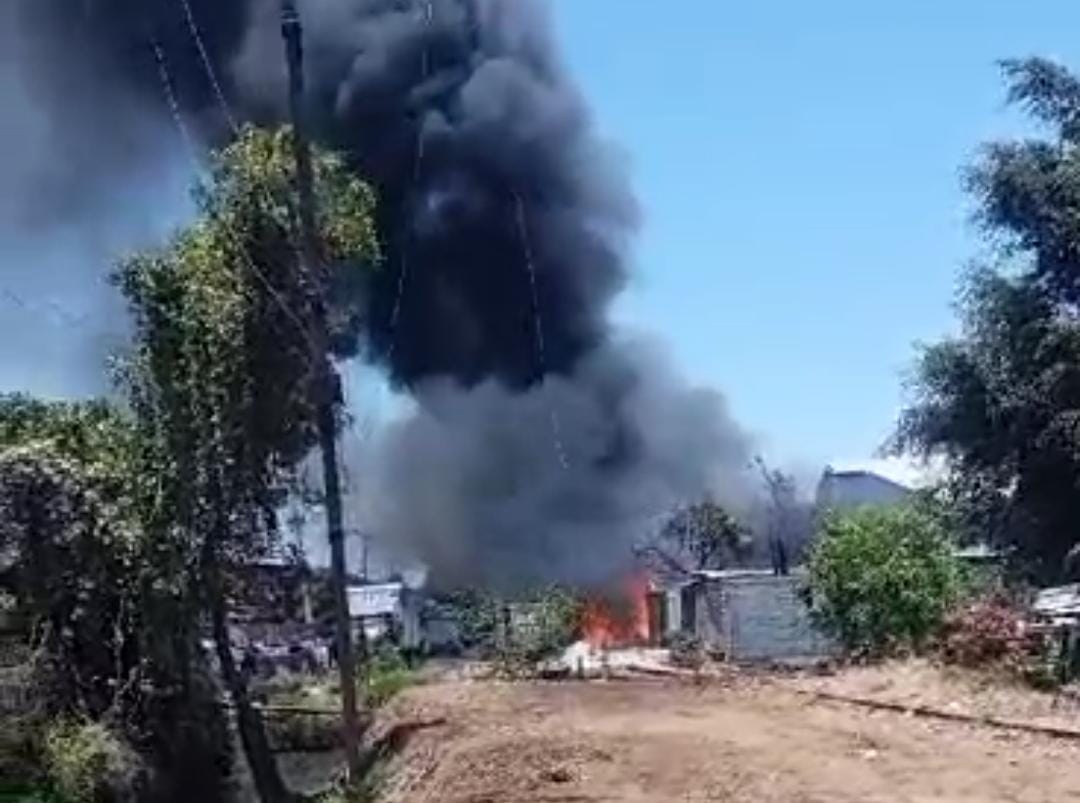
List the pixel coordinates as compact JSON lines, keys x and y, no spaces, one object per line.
{"x":78,"y":189}
{"x":542,"y":440}
{"x":477,"y":482}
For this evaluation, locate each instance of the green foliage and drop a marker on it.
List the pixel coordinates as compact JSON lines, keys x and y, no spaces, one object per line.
{"x":225,"y":377}
{"x":301,"y":730}
{"x":103,"y":594}
{"x":87,"y":763}
{"x":70,"y":546}
{"x":110,"y":518}
{"x":535,"y":627}
{"x":882,"y":578}
{"x":1000,"y":401}
{"x":224,"y":371}
{"x":386,"y":676}
{"x":28,"y":794}
{"x":479,"y":615}
{"x":519,"y":632}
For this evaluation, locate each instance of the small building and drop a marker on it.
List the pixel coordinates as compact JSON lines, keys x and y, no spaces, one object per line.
{"x":844,"y":490}
{"x":387,"y":609}
{"x":752,"y":615}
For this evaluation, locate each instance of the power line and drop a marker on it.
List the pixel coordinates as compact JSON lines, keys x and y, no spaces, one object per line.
{"x":173,"y":102}
{"x":208,"y":65}
{"x":232,"y":120}
{"x":538,"y":324}
{"x":418,"y":159}
{"x":59,"y":314}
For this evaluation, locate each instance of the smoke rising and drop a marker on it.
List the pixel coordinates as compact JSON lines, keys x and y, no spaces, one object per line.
{"x":483,"y":153}
{"x":85,"y":175}
{"x":474,"y":483}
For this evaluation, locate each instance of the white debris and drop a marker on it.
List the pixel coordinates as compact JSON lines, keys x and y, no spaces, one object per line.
{"x":586,"y":660}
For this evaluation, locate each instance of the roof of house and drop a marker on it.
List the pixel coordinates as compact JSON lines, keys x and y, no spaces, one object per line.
{"x":1062,"y":601}
{"x":858,"y":487}
{"x":864,"y":474}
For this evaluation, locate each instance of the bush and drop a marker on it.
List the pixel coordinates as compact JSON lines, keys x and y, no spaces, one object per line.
{"x":988,"y":632}
{"x":687,"y":651}
{"x":301,"y":731}
{"x":27,"y":794}
{"x":883,"y":578}
{"x":87,"y":763}
{"x":387,"y":675}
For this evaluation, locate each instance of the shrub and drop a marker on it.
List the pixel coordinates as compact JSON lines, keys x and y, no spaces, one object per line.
{"x":299,"y":730}
{"x":986,"y":632}
{"x":87,"y":763}
{"x":27,"y":794}
{"x":387,"y":675}
{"x":687,"y":651}
{"x":882,"y":578}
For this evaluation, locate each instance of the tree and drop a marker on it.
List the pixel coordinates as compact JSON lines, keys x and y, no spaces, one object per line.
{"x":223,"y":376}
{"x":881,"y":577}
{"x":787,"y":522}
{"x":114,"y":623}
{"x":697,"y":537}
{"x":1002,"y":400}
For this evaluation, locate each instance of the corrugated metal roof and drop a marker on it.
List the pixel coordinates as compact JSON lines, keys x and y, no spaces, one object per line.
{"x":1059,"y":601}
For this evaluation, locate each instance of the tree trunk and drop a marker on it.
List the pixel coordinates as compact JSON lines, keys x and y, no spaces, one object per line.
{"x":264,"y":771}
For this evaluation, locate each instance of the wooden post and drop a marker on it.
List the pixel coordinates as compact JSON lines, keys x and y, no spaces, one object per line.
{"x":328,"y":385}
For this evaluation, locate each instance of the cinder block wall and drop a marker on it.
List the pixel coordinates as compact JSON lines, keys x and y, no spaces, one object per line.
{"x":758,"y":618}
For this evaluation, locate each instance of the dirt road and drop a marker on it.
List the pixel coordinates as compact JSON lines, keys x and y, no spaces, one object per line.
{"x":659,"y":742}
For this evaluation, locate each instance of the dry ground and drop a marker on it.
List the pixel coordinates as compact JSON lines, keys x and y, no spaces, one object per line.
{"x":664,"y":741}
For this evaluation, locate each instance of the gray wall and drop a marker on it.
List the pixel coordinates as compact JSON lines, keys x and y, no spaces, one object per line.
{"x":757,"y":618}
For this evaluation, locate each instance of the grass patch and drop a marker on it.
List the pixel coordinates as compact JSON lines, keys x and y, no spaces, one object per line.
{"x":28,"y":794}
{"x":387,"y":675}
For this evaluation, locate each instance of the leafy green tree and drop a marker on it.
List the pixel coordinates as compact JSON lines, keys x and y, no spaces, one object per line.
{"x":1001,"y":401}
{"x":883,"y":577}
{"x":223,"y":376}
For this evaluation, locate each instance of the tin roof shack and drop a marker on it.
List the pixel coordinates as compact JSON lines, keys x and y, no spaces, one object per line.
{"x":752,"y":616}
{"x":387,"y":610}
{"x":1057,"y":613}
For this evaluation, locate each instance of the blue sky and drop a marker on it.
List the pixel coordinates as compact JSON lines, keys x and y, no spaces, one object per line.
{"x":798,"y":166}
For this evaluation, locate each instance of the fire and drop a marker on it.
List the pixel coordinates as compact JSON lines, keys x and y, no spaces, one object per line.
{"x":618,"y":619}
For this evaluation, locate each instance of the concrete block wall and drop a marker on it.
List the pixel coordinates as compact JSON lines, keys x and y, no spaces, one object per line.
{"x":758,"y":618}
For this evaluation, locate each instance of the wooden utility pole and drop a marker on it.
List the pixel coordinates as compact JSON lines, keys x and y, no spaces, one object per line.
{"x":328,"y":384}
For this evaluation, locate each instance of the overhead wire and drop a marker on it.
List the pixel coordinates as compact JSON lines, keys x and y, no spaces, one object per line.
{"x":173,"y":102}
{"x":418,"y":159}
{"x":232,"y":120}
{"x":208,"y":65}
{"x":538,"y":324}
{"x":59,"y":314}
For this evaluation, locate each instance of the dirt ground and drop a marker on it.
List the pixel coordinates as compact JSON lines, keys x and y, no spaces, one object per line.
{"x":659,"y":741}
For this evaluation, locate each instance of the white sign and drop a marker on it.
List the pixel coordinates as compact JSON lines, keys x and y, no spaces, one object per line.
{"x":381,"y":600}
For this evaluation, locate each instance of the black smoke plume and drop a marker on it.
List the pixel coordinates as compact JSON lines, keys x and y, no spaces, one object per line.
{"x":542,"y":439}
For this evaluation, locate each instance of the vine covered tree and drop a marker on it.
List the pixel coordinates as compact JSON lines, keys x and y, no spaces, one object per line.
{"x":223,"y":375}
{"x":108,"y":602}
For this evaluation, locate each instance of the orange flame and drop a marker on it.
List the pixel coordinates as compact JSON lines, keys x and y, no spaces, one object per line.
{"x":617,"y":620}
